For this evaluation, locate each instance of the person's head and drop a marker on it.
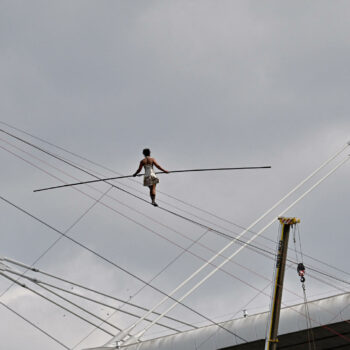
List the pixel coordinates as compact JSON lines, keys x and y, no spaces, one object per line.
{"x":146,"y":152}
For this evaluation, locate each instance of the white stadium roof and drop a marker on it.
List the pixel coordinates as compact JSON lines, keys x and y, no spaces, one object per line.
{"x":329,"y":320}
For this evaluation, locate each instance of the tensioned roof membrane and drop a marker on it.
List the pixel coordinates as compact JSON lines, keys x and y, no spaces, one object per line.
{"x":323,"y":312}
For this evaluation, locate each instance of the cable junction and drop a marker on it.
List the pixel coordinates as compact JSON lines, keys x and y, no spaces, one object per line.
{"x":55,"y":303}
{"x":42,"y":284}
{"x":36,"y":270}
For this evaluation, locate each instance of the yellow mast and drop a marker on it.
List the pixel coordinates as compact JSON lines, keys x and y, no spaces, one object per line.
{"x":271,"y":341}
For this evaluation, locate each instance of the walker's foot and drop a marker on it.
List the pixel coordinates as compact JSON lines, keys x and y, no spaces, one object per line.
{"x":155,"y":204}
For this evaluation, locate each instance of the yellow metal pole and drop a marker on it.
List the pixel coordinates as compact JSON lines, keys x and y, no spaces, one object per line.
{"x":272,"y":340}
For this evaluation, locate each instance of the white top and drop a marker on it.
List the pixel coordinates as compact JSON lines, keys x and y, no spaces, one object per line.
{"x":150,"y":177}
{"x":149,"y":170}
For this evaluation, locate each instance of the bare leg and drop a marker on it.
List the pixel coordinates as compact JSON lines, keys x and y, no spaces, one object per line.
{"x":153,"y":194}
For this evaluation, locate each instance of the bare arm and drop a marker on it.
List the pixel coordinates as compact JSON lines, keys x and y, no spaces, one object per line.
{"x":139,"y":169}
{"x":159,"y":167}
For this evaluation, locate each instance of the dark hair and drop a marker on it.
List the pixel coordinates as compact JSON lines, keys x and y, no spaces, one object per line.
{"x":146,"y":152}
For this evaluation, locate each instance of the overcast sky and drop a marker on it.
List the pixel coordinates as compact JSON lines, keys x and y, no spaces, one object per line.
{"x":203,"y":84}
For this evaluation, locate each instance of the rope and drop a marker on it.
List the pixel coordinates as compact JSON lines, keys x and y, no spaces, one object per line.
{"x":129,"y":207}
{"x":99,"y":179}
{"x":114,"y":264}
{"x":40,"y":283}
{"x":261,"y":291}
{"x":83,"y":296}
{"x":229,"y":237}
{"x":89,"y":289}
{"x":152,"y":230}
{"x":114,"y":172}
{"x":310,"y":334}
{"x":35,"y":326}
{"x":231,"y":256}
{"x":160,"y":223}
{"x":46,"y":251}
{"x":158,"y":274}
{"x":165,"y":194}
{"x":181,"y":201}
{"x":53,"y":302}
{"x":251,"y":231}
